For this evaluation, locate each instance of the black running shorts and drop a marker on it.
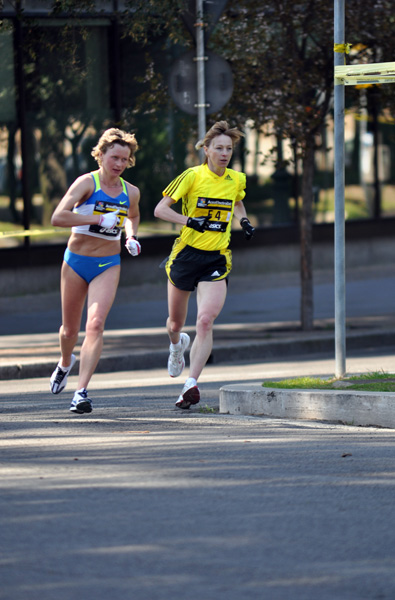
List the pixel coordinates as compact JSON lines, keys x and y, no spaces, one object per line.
{"x":188,"y":266}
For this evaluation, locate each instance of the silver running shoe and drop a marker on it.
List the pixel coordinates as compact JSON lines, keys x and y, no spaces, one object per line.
{"x":81,"y":403}
{"x":58,"y":379}
{"x":190,"y":395}
{"x":176,"y":362}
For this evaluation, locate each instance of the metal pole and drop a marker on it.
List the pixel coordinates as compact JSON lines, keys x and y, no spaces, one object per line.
{"x":116,"y":65}
{"x":340,"y":279}
{"x":20,"y":82}
{"x":200,"y":58}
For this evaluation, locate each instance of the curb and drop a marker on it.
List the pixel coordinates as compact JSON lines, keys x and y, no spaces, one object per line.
{"x":156,"y":359}
{"x":374,"y":409}
{"x":223,"y":352}
{"x":107,"y":364}
{"x":250,"y":350}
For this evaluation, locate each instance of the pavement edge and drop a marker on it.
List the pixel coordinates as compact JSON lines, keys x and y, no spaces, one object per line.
{"x":374,"y":409}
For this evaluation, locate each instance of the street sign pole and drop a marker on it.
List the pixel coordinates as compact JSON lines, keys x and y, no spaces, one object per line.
{"x":201,"y":82}
{"x":200,"y":58}
{"x":340,"y":278}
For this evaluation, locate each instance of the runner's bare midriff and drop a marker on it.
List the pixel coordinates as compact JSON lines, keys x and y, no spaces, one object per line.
{"x":91,"y":246}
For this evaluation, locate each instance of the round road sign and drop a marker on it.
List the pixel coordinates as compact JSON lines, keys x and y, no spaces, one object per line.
{"x":218,"y":82}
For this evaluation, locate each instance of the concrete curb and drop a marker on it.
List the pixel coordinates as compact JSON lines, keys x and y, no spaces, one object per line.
{"x":352,"y":408}
{"x":232,"y":350}
{"x":107,"y":364}
{"x":293,"y":345}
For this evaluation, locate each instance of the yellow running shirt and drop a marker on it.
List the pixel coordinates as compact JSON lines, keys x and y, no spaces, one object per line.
{"x":204,"y":194}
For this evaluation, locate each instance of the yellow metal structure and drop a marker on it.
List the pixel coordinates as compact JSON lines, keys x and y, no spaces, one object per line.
{"x":365,"y":74}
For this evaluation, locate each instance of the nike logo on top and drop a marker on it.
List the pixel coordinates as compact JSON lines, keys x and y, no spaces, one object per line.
{"x":105,"y":264}
{"x":123,"y":202}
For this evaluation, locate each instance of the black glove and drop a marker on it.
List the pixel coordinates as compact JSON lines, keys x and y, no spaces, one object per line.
{"x":197,"y":223}
{"x":248,"y":229}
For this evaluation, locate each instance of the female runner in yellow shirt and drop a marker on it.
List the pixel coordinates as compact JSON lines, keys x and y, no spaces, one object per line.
{"x":200,"y":258}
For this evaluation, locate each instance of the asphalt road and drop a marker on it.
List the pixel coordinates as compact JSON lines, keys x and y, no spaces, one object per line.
{"x":140,"y":501}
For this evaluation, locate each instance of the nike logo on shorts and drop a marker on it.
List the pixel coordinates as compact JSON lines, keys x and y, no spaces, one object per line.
{"x":105,"y":264}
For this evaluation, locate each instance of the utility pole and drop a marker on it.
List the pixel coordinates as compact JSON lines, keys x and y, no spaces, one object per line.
{"x":200,"y":58}
{"x":340,"y":277}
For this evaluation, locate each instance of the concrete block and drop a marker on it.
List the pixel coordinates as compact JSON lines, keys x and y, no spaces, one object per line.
{"x":344,"y":406}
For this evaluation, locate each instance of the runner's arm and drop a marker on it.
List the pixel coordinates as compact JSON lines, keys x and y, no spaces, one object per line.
{"x":240,"y":211}
{"x":133,"y":220}
{"x":164,"y":211}
{"x":79,"y":191}
{"x":241,"y":214}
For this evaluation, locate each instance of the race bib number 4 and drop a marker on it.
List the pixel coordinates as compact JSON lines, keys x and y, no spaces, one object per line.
{"x":219,"y":212}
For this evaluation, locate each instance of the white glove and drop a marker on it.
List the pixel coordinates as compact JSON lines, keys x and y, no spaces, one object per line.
{"x":109,"y":220}
{"x":133,"y":246}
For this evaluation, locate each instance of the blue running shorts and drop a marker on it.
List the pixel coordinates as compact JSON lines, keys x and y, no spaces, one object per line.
{"x":89,"y":267}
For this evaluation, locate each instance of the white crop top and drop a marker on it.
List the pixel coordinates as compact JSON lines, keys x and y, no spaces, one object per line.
{"x":99,"y":204}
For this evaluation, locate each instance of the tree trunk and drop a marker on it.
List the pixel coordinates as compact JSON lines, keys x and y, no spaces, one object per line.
{"x":52,"y":175}
{"x":295,"y":180}
{"x":11,"y":179}
{"x":306,"y":241}
{"x":376,"y":181}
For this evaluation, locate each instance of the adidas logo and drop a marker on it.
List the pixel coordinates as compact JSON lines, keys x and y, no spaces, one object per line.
{"x":215,"y":274}
{"x":228,"y":177}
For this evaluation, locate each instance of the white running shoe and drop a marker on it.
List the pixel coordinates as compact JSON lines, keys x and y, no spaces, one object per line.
{"x":58,"y":379}
{"x":81,"y":403}
{"x":176,"y":362}
{"x":190,"y":395}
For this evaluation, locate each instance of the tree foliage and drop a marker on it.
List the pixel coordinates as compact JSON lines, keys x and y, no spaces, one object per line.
{"x":281,"y":54}
{"x":282,"y":58}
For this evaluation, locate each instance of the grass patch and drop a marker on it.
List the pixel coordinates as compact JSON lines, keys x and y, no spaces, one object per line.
{"x":376,"y":381}
{"x":371,"y":375}
{"x":300,"y":383}
{"x":207,"y":409}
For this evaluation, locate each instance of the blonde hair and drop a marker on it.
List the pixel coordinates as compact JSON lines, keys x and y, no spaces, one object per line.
{"x":115,"y":136}
{"x":220,"y":128}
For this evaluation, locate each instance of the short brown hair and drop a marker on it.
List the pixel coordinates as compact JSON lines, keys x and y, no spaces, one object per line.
{"x":115,"y":136}
{"x":220,"y":128}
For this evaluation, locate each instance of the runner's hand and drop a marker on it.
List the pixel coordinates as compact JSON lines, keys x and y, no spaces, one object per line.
{"x":248,"y":229}
{"x":197,"y":223}
{"x":133,"y":246}
{"x":109,"y":220}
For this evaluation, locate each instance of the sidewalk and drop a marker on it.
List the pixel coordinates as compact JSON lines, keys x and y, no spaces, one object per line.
{"x":238,"y":335}
{"x":36,"y":355}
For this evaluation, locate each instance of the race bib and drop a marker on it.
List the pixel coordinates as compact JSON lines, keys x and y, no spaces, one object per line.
{"x":103,"y":207}
{"x":218,"y":211}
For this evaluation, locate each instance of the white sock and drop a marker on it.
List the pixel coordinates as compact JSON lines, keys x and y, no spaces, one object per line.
{"x":61,"y":365}
{"x":176,"y":346}
{"x":191,"y":382}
